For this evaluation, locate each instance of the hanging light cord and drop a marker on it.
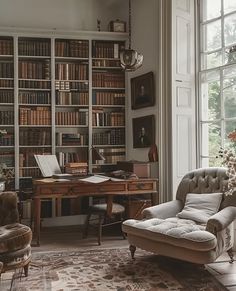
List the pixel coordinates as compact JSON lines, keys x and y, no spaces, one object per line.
{"x":129,"y":24}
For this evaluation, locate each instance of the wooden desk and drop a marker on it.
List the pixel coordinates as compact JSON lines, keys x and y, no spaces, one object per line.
{"x":48,"y":188}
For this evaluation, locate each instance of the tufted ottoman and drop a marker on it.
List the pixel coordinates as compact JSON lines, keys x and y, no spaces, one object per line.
{"x":15,"y":238}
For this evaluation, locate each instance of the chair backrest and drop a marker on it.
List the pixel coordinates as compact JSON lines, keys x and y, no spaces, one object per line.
{"x":8,"y":208}
{"x":206,"y":180}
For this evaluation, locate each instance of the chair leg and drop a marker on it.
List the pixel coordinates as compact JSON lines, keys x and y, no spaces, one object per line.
{"x":100,"y":228}
{"x":86,"y":226}
{"x":231,"y":255}
{"x":132,"y":249}
{"x":26,"y":270}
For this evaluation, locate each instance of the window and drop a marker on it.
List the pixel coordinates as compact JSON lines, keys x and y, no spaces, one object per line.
{"x":217,"y":79}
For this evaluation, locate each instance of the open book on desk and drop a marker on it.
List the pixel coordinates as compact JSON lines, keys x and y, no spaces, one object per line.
{"x":99,"y":179}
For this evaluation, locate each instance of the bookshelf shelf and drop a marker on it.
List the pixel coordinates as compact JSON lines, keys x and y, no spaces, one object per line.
{"x":54,"y":89}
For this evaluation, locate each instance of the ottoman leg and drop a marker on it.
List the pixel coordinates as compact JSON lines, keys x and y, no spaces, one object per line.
{"x":26,"y":269}
{"x":132,"y":249}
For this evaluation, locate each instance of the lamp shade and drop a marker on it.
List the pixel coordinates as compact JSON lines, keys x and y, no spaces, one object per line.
{"x":130,"y":59}
{"x":96,"y":156}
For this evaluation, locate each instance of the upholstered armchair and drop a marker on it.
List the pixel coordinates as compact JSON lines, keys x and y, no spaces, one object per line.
{"x":197,"y":226}
{"x":15,"y":238}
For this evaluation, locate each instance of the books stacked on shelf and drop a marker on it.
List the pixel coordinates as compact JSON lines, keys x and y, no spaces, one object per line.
{"x":37,"y":97}
{"x":72,"y":118}
{"x":6,"y":46}
{"x":39,"y":115}
{"x":34,"y":84}
{"x":112,"y":155}
{"x":29,"y":172}
{"x":72,"y":48}
{"x":106,"y":63}
{"x":110,"y":137}
{"x":8,"y":158}
{"x":35,"y":137}
{"x":70,"y":85}
{"x":72,"y":157}
{"x":7,"y":139}
{"x":72,"y":98}
{"x":6,"y":69}
{"x":34,"y":47}
{"x":108,"y":98}
{"x":70,"y":139}
{"x":108,"y":79}
{"x":78,"y":169}
{"x":71,"y":71}
{"x":101,"y":118}
{"x":6,"y":96}
{"x":34,"y":69}
{"x":27,"y":159}
{"x":106,"y":49}
{"x":6,"y":83}
{"x":7,"y":117}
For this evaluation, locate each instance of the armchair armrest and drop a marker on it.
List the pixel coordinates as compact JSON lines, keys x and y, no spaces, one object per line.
{"x":221,"y":219}
{"x":164,"y":210}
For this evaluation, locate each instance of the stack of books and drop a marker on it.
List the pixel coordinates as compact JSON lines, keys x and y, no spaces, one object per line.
{"x":78,"y":169}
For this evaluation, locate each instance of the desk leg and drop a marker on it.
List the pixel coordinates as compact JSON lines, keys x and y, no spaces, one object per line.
{"x":37,"y":218}
{"x":109,"y":205}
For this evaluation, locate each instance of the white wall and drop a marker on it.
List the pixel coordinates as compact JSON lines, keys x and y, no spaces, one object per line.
{"x":145,"y":41}
{"x":61,"y":14}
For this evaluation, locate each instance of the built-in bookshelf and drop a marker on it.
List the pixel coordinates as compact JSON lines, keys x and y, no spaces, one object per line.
{"x":61,"y":95}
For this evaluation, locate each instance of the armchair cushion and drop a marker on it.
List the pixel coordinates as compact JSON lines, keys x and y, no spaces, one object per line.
{"x":200,"y":207}
{"x":164,"y":210}
{"x":174,"y":231}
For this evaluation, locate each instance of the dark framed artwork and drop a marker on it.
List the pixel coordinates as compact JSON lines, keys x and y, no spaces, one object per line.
{"x":142,"y":91}
{"x":143,"y":131}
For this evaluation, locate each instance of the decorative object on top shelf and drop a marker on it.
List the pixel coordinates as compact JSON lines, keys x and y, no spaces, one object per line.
{"x":142,"y":91}
{"x":117,"y":26}
{"x":6,"y":175}
{"x":130,"y":59}
{"x":143,"y":131}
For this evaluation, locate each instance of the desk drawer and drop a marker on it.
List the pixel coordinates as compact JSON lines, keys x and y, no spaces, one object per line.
{"x":149,"y":186}
{"x":99,"y":188}
{"x":54,"y":190}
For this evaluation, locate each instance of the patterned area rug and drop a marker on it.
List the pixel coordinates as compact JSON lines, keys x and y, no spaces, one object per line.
{"x":111,"y":269}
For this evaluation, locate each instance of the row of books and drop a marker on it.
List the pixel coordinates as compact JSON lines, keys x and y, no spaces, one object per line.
{"x":6,"y":46}
{"x":34,"y":47}
{"x":106,"y":63}
{"x":35,"y":137}
{"x":70,"y":139}
{"x":68,"y":85}
{"x":108,"y":79}
{"x":34,"y":84}
{"x":34,"y":69}
{"x":72,"y":98}
{"x":6,"y":70}
{"x":7,"y":158}
{"x":101,"y":118}
{"x":27,"y":159}
{"x":106,"y":49}
{"x":71,"y":71}
{"x":6,"y":83}
{"x":108,"y":98}
{"x":7,"y":139}
{"x":34,"y":172}
{"x":110,"y":137}
{"x":72,"y":157}
{"x":36,"y":97}
{"x":39,"y":115}
{"x":7,"y":117}
{"x":113,"y":155}
{"x":72,"y":48}
{"x":6,"y":96}
{"x":72,"y":118}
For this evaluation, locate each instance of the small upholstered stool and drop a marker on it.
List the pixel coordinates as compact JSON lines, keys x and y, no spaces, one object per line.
{"x":100,"y":210}
{"x":15,"y":238}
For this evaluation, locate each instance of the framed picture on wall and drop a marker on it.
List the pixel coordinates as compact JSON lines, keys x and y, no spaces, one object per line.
{"x":142,"y":91}
{"x":143,"y":131}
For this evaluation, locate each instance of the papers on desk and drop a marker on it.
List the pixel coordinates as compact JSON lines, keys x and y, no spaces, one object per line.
{"x":96,"y":179}
{"x":99,"y":179}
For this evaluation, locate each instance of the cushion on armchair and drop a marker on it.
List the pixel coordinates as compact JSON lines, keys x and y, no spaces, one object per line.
{"x":201,"y":207}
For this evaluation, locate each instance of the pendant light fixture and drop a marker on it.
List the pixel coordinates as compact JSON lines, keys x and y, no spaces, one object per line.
{"x":130,"y":59}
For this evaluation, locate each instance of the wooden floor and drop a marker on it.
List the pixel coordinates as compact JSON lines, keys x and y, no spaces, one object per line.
{"x":70,"y":238}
